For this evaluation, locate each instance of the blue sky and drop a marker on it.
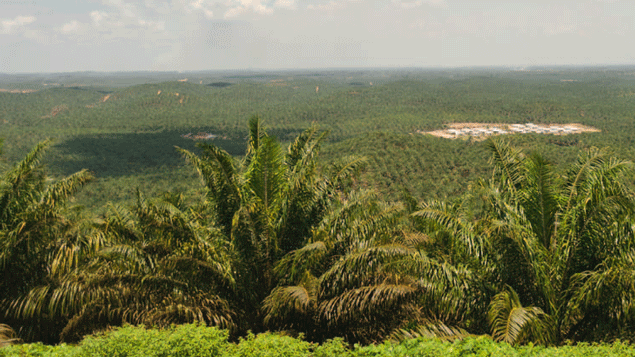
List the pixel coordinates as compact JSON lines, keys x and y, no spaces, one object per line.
{"x":182,"y":35}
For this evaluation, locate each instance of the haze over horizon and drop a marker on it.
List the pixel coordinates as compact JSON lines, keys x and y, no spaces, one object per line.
{"x":44,"y":36}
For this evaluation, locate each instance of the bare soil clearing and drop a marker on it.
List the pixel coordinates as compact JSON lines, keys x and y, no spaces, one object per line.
{"x":18,"y":91}
{"x":203,"y":136}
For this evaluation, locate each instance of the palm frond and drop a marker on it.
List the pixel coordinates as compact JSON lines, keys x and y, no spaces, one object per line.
{"x":420,"y":266}
{"x":7,"y":336}
{"x":507,"y":163}
{"x":451,"y":293}
{"x":365,"y":301}
{"x":63,"y":189}
{"x":609,"y":290}
{"x":343,"y":171}
{"x":292,"y":267}
{"x":415,"y":240}
{"x":220,"y":176}
{"x":256,"y":134}
{"x":14,"y":185}
{"x":72,"y":252}
{"x":216,"y":273}
{"x":120,"y":224}
{"x":540,"y":200}
{"x":266,"y":173}
{"x":356,"y":268}
{"x":210,"y":310}
{"x":289,"y":304}
{"x":357,"y":221}
{"x":513,"y":323}
{"x":304,"y":148}
{"x":450,"y":218}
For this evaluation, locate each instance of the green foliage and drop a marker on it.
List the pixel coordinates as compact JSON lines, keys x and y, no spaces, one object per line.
{"x":160,"y":264}
{"x":336,"y":280}
{"x":183,"y":340}
{"x":548,"y":245}
{"x":271,"y":345}
{"x":39,"y":350}
{"x":513,"y":323}
{"x":196,"y":340}
{"x":289,"y":222}
{"x":40,"y":240}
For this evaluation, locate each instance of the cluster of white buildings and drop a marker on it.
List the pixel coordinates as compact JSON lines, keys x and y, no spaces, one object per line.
{"x":477,"y":131}
{"x":515,"y":129}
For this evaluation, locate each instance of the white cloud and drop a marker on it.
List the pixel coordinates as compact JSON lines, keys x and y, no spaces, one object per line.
{"x":285,"y":4}
{"x":330,"y":6}
{"x":239,"y":7}
{"x":125,"y":8}
{"x":98,"y":16}
{"x":70,"y":27}
{"x":152,"y":25}
{"x":233,"y":12}
{"x":124,"y":18}
{"x":15,"y":24}
{"x":202,"y":6}
{"x":127,"y":14}
{"x":161,"y":7}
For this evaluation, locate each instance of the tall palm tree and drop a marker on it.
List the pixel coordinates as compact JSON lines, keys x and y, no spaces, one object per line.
{"x":546,"y":243}
{"x":266,"y":204}
{"x":334,"y":285}
{"x":38,"y":237}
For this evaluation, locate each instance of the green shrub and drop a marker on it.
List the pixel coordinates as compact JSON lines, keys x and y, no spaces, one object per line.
{"x":38,"y":350}
{"x":615,"y":349}
{"x":334,"y":347}
{"x":196,"y":340}
{"x":481,"y":347}
{"x":271,"y":345}
{"x":182,"y":340}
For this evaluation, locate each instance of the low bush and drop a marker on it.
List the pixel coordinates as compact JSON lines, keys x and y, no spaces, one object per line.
{"x":182,"y":340}
{"x":196,"y":340}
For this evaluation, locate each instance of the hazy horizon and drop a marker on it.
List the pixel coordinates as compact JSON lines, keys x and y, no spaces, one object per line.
{"x":55,"y":36}
{"x":591,"y":67}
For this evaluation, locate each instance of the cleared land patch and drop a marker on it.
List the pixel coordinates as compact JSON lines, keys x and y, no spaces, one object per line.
{"x":203,"y":136}
{"x":20,"y":91}
{"x":482,"y":130}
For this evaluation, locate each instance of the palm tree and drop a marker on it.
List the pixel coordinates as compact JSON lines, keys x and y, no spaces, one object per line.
{"x":267,"y":205}
{"x":334,"y":285}
{"x":38,"y":238}
{"x":160,"y":265}
{"x":547,"y":244}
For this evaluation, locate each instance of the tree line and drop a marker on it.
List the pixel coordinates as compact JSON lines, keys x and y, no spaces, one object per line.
{"x":279,"y":241}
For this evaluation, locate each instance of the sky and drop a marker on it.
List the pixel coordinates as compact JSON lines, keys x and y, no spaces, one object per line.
{"x":191,"y":35}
